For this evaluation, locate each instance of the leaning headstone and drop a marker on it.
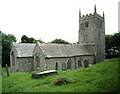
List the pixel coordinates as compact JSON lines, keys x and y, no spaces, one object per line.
{"x":7,"y":70}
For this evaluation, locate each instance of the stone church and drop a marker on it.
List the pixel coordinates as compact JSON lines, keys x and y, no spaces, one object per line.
{"x":26,"y":57}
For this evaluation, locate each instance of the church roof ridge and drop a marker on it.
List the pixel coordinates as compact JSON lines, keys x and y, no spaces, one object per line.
{"x":23,"y":49}
{"x":63,"y":50}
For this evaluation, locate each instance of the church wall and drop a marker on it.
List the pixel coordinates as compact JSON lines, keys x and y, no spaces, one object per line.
{"x":13,"y":66}
{"x":93,"y":32}
{"x":39,"y":59}
{"x":87,"y":34}
{"x":51,"y":62}
{"x":23,"y":64}
{"x":82,"y":59}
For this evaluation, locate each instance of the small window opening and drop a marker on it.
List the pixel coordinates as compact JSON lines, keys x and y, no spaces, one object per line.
{"x":86,"y":24}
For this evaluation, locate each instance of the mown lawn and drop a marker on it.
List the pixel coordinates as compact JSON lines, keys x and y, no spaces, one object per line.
{"x":102,"y":77}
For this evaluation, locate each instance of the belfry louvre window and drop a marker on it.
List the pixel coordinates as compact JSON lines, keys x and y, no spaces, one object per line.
{"x":86,"y":24}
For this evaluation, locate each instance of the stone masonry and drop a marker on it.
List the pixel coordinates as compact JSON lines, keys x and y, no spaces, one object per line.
{"x":92,"y":34}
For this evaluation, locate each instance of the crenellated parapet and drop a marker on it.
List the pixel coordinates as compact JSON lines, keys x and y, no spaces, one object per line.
{"x":88,"y":16}
{"x":91,"y":15}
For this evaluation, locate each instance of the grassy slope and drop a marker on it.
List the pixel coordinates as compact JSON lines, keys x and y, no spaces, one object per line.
{"x":102,"y":77}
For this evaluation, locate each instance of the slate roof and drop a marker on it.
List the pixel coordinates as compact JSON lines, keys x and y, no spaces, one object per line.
{"x":23,"y":49}
{"x":63,"y":50}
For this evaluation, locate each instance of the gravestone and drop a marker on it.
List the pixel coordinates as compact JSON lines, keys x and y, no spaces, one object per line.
{"x":7,"y":70}
{"x":44,"y":73}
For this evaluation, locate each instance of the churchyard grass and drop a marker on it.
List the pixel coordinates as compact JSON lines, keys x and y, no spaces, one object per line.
{"x":101,"y":77}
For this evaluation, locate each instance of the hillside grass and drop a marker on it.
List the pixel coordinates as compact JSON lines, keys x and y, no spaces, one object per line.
{"x":101,"y":77}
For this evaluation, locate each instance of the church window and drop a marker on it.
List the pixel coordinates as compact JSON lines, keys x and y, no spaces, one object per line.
{"x":79,"y":63}
{"x":37,"y":60}
{"x":64,"y":66}
{"x":86,"y":24}
{"x":86,"y":63}
{"x":56,"y":66}
{"x":69,"y":64}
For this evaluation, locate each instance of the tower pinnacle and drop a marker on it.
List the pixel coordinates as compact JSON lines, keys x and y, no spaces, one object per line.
{"x":103,"y":14}
{"x":95,"y":8}
{"x":79,"y":13}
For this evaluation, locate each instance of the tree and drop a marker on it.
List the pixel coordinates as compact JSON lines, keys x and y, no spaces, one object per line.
{"x":41,"y":41}
{"x":60,"y":41}
{"x":108,"y":40}
{"x":113,"y":45}
{"x":116,"y":40}
{"x":30,"y":40}
{"x":7,"y":40}
{"x":25,"y":39}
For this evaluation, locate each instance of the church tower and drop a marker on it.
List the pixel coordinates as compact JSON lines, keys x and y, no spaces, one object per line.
{"x":92,"y":33}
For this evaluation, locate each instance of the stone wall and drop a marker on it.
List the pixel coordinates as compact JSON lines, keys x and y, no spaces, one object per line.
{"x":62,"y":62}
{"x":87,"y":34}
{"x":13,"y":61}
{"x":23,"y":64}
{"x":39,"y":59}
{"x":92,"y":34}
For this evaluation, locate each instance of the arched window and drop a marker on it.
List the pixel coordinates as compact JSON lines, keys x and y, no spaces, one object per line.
{"x":56,"y":66}
{"x":86,"y":63}
{"x":79,"y":63}
{"x":69,"y":64}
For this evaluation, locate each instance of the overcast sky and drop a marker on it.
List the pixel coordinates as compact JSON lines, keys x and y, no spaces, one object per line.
{"x":50,"y":19}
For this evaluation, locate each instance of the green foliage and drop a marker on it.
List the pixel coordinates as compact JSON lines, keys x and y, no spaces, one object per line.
{"x":25,"y":39}
{"x":113,"y":44}
{"x":116,"y":41}
{"x":101,"y":77}
{"x":7,"y":40}
{"x":60,"y":41}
